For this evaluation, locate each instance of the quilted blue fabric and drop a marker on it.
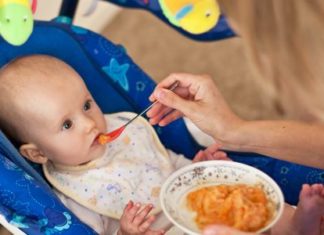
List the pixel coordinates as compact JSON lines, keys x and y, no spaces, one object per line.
{"x":117,"y":84}
{"x":28,"y":202}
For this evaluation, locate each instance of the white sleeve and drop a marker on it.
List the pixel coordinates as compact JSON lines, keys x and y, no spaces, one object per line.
{"x":202,"y":138}
{"x":101,"y":224}
{"x":178,"y":160}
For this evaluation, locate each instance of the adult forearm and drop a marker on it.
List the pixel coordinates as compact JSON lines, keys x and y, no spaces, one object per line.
{"x":287,"y":140}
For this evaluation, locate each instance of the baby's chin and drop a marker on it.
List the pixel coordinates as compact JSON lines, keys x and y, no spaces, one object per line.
{"x":94,"y":155}
{"x":97,"y":151}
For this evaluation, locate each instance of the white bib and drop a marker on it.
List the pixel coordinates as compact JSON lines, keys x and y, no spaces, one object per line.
{"x":134,"y":167}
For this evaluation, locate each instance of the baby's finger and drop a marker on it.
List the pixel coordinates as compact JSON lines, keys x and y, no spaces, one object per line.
{"x":220,"y":155}
{"x":130,"y":213}
{"x":213,"y":148}
{"x":146,"y":224}
{"x":141,"y":215}
{"x":129,"y":205}
{"x":199,"y":156}
{"x":209,"y":156}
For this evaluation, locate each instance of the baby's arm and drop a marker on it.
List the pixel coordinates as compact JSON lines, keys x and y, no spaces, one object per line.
{"x":136,"y":220}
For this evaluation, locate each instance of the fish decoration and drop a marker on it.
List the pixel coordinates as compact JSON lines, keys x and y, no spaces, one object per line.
{"x":16,"y":20}
{"x":193,"y":16}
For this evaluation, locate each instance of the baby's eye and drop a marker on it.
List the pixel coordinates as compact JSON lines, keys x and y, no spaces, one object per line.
{"x":87,"y":105}
{"x":67,"y":124}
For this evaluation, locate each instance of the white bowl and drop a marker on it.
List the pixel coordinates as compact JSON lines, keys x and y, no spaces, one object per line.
{"x":180,"y":183}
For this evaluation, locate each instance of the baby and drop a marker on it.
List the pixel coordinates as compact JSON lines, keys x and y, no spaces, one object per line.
{"x":50,"y":115}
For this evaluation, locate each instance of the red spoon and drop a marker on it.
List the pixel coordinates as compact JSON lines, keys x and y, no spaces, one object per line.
{"x":108,"y":137}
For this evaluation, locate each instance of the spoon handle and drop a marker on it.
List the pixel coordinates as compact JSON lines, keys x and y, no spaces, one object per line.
{"x":172,"y":87}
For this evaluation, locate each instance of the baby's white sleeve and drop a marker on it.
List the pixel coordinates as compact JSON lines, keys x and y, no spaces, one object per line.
{"x":178,"y":160}
{"x":101,"y":224}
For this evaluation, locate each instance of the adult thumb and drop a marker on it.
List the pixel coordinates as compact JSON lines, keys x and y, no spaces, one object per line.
{"x":172,"y":100}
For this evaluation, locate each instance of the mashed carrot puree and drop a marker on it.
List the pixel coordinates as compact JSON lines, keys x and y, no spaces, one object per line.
{"x":243,"y":207}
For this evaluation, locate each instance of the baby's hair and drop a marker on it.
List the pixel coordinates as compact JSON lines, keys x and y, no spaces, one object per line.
{"x":14,"y":78}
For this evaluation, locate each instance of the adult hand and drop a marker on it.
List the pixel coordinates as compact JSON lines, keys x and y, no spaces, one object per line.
{"x":195,"y":97}
{"x":198,"y":98}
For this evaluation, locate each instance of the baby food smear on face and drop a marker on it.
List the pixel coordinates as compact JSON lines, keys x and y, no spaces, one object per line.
{"x":240,"y":206}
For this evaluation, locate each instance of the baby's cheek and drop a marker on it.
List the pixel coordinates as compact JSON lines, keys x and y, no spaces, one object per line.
{"x":104,"y":124}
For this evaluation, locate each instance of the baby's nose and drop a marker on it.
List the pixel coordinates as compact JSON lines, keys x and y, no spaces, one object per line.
{"x":89,"y":124}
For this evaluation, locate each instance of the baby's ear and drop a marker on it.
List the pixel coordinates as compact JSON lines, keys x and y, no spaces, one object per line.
{"x":33,"y":153}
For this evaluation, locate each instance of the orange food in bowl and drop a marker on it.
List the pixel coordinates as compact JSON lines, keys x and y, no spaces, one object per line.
{"x":243,"y":207}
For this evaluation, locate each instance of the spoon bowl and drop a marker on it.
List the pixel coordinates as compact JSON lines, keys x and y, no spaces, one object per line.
{"x":106,"y":138}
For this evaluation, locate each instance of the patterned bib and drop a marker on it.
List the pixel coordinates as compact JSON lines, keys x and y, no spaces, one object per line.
{"x":134,"y":167}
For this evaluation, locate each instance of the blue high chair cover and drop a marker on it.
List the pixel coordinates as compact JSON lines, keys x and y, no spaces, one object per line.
{"x":26,"y":200}
{"x":117,"y":84}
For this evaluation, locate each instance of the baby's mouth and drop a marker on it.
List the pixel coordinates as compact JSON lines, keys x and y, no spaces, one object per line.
{"x":95,"y":141}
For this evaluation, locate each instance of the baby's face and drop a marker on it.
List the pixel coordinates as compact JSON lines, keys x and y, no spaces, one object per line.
{"x":64,"y":121}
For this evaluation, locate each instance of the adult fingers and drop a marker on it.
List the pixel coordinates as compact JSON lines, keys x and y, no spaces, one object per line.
{"x":159,"y":109}
{"x":170,"y":117}
{"x":155,"y":110}
{"x":170,"y":99}
{"x":157,"y":115}
{"x":181,"y":78}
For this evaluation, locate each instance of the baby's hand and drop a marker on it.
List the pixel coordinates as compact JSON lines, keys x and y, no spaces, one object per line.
{"x":136,"y":221}
{"x":211,"y":153}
